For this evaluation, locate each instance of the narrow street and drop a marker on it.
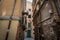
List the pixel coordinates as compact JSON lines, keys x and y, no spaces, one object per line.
{"x":29,"y":19}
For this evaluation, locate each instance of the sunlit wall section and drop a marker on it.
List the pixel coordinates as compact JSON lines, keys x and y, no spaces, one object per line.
{"x":13,"y":30}
{"x":3,"y":29}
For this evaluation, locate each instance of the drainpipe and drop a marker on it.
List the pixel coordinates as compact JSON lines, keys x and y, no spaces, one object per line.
{"x":9,"y":25}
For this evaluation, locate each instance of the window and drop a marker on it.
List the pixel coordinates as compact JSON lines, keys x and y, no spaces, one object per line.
{"x":29,"y":16}
{"x":29,"y":24}
{"x":29,"y":9}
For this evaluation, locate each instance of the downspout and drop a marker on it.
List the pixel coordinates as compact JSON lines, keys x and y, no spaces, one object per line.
{"x":9,"y":25}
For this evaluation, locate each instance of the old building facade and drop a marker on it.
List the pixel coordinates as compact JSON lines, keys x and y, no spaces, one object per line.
{"x":46,"y":19}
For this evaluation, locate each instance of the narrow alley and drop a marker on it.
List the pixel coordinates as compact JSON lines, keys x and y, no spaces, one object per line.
{"x":29,"y":19}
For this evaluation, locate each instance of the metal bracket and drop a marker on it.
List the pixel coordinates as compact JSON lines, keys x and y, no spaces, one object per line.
{"x":8,"y":18}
